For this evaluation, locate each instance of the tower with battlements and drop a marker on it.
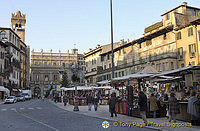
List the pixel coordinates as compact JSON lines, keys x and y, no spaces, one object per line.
{"x":18,"y":21}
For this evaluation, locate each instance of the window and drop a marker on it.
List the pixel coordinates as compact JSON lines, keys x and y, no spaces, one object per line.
{"x":180,"y":53}
{"x":163,"y":66}
{"x":36,"y":63}
{"x":104,"y":67}
{"x":45,"y":63}
{"x":54,"y":63}
{"x":108,"y":57}
{"x":119,"y":52}
{"x":172,"y":65}
{"x":16,"y":25}
{"x":167,"y":16}
{"x":199,"y":35}
{"x":122,"y":73}
{"x":193,"y":63}
{"x":3,"y":35}
{"x":55,"y":77}
{"x":46,"y":78}
{"x":140,"y":45}
{"x":20,"y":25}
{"x":109,"y":65}
{"x":194,"y":13}
{"x":190,"y":31}
{"x":165,"y":36}
{"x":124,"y":52}
{"x":178,"y":36}
{"x":182,"y":65}
{"x":192,"y":50}
{"x":1,"y":69}
{"x":102,"y":58}
{"x":148,"y":42}
{"x":119,"y":74}
{"x":37,"y":77}
{"x":115,"y":74}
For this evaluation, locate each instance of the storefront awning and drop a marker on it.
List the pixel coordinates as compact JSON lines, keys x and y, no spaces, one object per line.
{"x":137,"y":75}
{"x":103,"y":82}
{"x":2,"y":88}
{"x":103,"y":87}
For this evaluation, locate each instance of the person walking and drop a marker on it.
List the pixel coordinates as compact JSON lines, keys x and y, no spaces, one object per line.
{"x":153,"y":104}
{"x":142,"y":102}
{"x":65,"y":99}
{"x":89,"y":101}
{"x":193,"y":108}
{"x":96,"y":100}
{"x":173,"y":108}
{"x":112,"y":102}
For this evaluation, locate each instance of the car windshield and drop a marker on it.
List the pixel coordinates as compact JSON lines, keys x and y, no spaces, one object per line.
{"x":11,"y":97}
{"x":24,"y":94}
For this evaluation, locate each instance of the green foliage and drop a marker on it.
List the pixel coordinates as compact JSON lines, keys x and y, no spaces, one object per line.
{"x":75,"y":78}
{"x":65,"y":82}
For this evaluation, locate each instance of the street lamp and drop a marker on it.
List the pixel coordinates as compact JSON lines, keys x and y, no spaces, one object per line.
{"x":75,"y":79}
{"x":111,"y":20}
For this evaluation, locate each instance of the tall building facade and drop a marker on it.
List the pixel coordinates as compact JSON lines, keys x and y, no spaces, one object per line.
{"x":16,"y":55}
{"x":18,"y":24}
{"x":47,"y":67}
{"x":166,"y":45}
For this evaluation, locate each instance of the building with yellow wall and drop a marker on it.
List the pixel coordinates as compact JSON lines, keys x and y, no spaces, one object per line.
{"x":166,"y":45}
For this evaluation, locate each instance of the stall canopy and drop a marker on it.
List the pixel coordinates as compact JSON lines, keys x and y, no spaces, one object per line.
{"x":78,"y":88}
{"x":146,"y":72}
{"x":2,"y":88}
{"x":178,"y":70}
{"x":85,"y":88}
{"x":103,"y":82}
{"x":103,"y":87}
{"x":137,"y":75}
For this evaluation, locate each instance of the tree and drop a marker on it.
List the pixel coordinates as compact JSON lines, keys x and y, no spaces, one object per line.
{"x":75,"y":78}
{"x":65,"y":82}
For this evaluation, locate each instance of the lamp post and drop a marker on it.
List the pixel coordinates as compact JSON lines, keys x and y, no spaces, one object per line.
{"x":111,"y":20}
{"x":75,"y":80}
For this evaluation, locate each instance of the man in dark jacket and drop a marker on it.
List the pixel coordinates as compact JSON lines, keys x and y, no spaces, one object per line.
{"x":112,"y":102}
{"x":142,"y":102}
{"x":89,"y":101}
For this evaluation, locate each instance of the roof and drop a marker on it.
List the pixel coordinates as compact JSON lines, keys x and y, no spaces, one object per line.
{"x":179,"y":7}
{"x":149,"y":70}
{"x":93,"y":51}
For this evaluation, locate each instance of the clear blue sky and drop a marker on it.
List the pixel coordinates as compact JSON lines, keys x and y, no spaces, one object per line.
{"x":59,"y":24}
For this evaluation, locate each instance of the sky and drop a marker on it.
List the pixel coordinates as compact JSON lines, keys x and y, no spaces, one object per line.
{"x":65,"y":24}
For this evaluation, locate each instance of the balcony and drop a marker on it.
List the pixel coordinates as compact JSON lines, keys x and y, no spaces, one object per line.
{"x":150,"y":58}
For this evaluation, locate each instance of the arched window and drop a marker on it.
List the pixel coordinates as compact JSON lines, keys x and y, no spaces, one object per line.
{"x":16,"y":25}
{"x":20,"y":26}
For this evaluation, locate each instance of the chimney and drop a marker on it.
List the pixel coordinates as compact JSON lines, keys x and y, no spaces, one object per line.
{"x":184,"y":3}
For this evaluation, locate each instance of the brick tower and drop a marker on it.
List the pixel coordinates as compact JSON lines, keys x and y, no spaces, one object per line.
{"x":18,"y":21}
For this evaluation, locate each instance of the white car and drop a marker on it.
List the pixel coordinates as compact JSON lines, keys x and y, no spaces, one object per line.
{"x":11,"y":99}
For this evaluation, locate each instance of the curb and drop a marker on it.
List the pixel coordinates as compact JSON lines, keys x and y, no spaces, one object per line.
{"x":101,"y":117}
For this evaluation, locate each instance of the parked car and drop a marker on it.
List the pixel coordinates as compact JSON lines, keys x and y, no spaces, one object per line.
{"x":21,"y":98}
{"x":11,"y":99}
{"x":26,"y":95}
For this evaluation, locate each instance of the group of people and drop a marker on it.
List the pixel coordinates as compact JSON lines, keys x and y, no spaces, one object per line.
{"x":173,"y":106}
{"x":92,"y":99}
